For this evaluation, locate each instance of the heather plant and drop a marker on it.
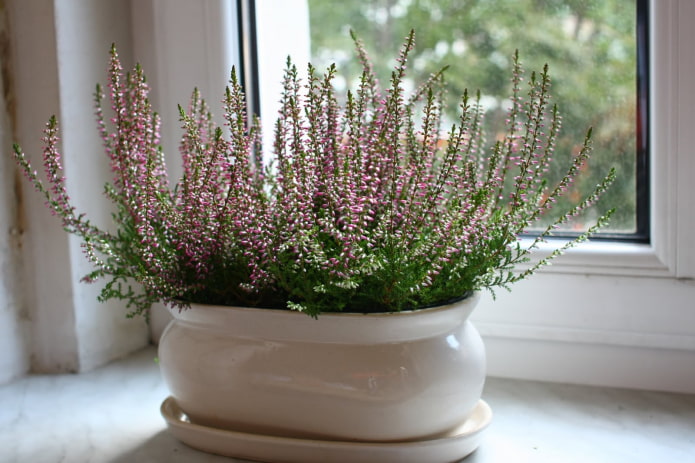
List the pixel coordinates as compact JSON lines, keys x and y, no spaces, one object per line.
{"x":370,"y":206}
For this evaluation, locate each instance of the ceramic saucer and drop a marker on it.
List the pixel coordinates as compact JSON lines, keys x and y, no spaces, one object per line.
{"x":447,"y":448}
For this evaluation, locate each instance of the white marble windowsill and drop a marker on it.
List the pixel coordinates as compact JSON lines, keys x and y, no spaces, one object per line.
{"x":112,"y":415}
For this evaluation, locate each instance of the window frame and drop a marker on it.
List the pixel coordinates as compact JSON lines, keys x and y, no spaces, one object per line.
{"x":652,"y":250}
{"x":629,"y":300}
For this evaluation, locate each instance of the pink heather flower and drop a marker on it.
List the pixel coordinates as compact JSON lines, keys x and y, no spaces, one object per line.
{"x":368,"y":206}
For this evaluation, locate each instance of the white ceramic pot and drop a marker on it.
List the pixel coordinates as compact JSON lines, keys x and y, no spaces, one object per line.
{"x":375,"y":377}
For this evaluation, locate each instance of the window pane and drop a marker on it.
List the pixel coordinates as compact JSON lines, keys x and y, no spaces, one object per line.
{"x":589,"y":45}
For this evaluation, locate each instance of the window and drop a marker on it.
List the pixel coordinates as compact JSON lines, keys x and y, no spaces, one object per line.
{"x":614,"y":34}
{"x":591,"y":47}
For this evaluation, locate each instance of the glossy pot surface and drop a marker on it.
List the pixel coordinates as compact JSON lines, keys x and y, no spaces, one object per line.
{"x":373,"y":377}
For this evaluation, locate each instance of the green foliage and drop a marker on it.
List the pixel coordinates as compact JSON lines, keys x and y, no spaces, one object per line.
{"x":588,"y":44}
{"x":378,"y":204}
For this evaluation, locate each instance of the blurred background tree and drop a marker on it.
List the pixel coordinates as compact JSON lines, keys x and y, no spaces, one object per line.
{"x":589,"y":45}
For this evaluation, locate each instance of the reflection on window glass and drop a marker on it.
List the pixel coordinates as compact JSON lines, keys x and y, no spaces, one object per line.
{"x":589,"y":45}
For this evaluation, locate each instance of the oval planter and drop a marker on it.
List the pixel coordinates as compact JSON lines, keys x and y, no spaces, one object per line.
{"x":342,"y":377}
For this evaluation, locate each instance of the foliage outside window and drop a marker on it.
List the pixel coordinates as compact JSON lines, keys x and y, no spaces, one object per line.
{"x":589,"y":45}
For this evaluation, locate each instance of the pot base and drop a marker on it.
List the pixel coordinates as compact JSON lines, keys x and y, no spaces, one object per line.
{"x":448,"y":447}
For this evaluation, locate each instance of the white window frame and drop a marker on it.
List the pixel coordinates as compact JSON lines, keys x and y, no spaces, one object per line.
{"x":617,"y":313}
{"x":670,"y":253}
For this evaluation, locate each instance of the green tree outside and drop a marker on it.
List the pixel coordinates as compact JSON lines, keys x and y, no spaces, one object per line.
{"x":589,"y":45}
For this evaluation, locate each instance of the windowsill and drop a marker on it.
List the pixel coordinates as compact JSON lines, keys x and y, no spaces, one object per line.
{"x":112,"y":414}
{"x":604,"y":258}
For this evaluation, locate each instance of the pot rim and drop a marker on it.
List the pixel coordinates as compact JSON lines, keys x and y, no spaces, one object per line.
{"x":329,"y":327}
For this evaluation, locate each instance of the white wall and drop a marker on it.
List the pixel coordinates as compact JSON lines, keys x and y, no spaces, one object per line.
{"x":61,"y":50}
{"x":619,"y":331}
{"x":14,"y":349}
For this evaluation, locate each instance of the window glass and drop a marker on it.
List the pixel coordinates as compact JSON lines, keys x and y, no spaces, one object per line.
{"x":589,"y":45}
